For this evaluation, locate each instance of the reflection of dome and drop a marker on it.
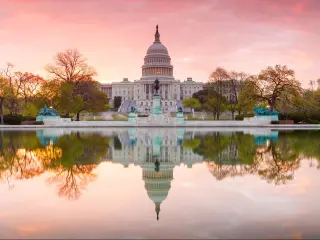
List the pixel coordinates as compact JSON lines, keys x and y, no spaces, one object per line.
{"x":157,"y":183}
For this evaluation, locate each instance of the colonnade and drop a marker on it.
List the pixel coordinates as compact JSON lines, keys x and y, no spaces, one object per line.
{"x":163,"y":71}
{"x":165,"y":91}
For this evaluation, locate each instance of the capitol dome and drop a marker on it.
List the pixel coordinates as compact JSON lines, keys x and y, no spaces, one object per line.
{"x":157,"y":48}
{"x":157,"y":61}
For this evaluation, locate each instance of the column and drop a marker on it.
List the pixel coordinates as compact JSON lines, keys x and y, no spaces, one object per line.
{"x":163,"y":91}
{"x":150,"y":90}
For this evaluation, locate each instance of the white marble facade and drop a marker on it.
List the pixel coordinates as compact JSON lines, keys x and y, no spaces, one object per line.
{"x":157,"y":65}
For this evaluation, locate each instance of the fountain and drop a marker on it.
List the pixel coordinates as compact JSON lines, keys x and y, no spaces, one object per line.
{"x":50,"y":115}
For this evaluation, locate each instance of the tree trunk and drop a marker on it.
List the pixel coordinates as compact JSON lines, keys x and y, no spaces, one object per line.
{"x":232,"y":112}
{"x":1,"y":111}
{"x":1,"y":141}
{"x":271,"y":107}
{"x":78,"y":116}
{"x":272,"y":103}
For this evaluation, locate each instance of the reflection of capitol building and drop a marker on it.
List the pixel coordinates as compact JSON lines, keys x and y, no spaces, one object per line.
{"x":157,"y":153}
{"x":139,"y":146}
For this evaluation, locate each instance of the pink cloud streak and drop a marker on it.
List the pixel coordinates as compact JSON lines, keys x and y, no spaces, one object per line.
{"x":114,"y":35}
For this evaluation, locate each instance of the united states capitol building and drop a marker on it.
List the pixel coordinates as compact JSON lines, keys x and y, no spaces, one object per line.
{"x":138,"y":93}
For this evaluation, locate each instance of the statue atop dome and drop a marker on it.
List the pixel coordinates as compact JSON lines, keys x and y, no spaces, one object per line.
{"x":157,"y":35}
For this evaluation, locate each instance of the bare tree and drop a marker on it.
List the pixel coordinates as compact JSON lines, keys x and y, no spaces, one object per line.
{"x":217,"y":81}
{"x":6,"y":77}
{"x":4,"y":90}
{"x":236,"y":82}
{"x":312,"y":83}
{"x":26,"y":86}
{"x":71,"y":67}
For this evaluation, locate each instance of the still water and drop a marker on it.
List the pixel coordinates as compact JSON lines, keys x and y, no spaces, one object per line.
{"x":159,"y":183}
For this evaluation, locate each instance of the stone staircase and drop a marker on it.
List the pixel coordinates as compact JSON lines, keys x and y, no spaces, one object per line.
{"x":126,"y":106}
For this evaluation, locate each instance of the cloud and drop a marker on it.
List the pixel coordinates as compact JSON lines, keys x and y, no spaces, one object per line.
{"x":214,"y":32}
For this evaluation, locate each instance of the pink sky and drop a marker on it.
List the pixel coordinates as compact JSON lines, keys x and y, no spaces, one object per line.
{"x":243,"y":35}
{"x":116,"y":205}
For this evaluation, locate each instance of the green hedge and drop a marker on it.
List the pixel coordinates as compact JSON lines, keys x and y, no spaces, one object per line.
{"x":17,"y":119}
{"x":32,"y":123}
{"x":28,"y":118}
{"x":12,"y":119}
{"x":312,"y":118}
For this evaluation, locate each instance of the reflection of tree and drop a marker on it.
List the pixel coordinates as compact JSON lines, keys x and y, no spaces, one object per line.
{"x":191,"y":143}
{"x":305,"y":143}
{"x":275,"y":164}
{"x":81,"y":155}
{"x":237,"y":155}
{"x":222,"y":171}
{"x":72,"y":159}
{"x":17,"y":159}
{"x":211,"y":146}
{"x":72,"y":181}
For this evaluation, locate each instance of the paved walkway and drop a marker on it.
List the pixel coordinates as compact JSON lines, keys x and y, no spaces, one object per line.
{"x":187,"y":124}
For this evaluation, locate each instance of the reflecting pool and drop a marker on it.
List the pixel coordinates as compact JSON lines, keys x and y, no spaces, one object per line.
{"x":159,"y":183}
